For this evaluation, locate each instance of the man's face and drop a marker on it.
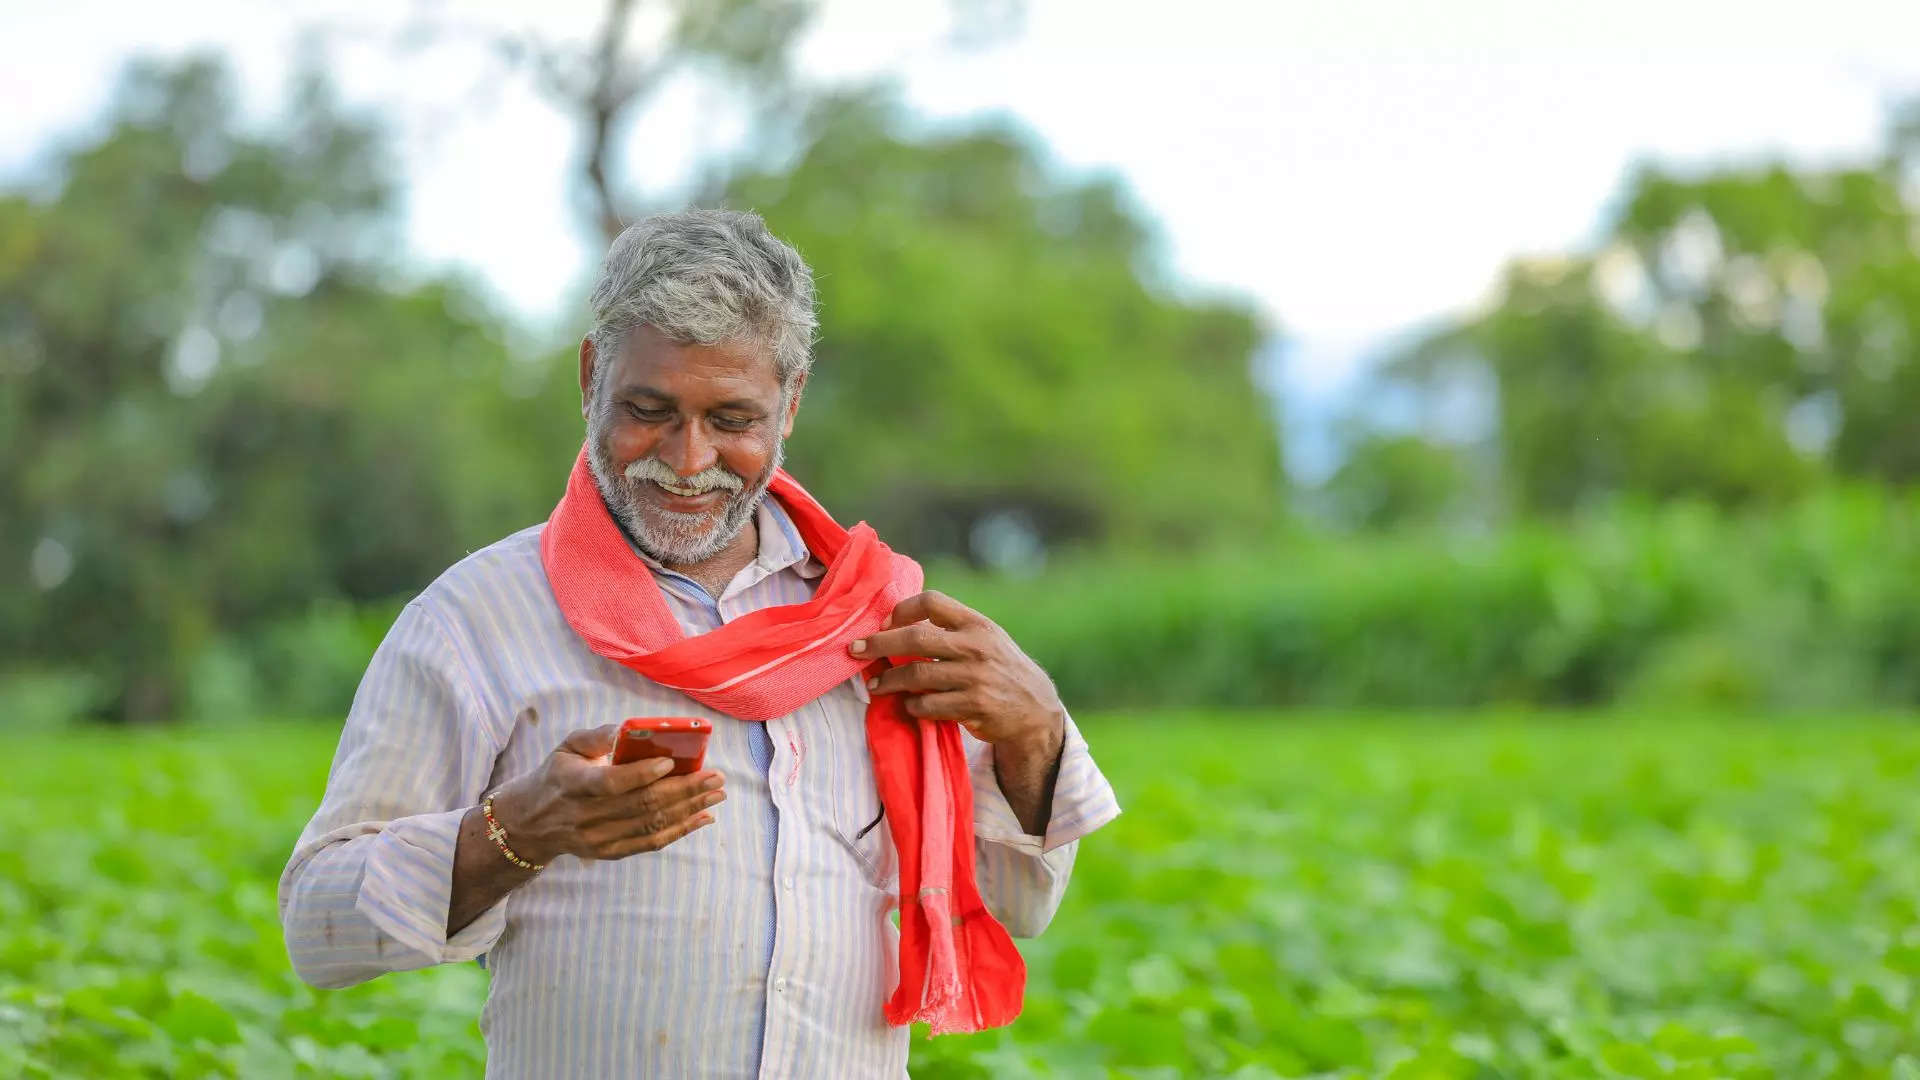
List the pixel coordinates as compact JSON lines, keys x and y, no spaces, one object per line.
{"x":683,"y":439}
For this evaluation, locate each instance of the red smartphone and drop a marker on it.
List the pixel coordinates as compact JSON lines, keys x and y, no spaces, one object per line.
{"x":682,"y":738}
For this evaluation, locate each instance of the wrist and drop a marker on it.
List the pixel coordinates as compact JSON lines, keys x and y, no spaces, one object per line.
{"x":519,"y":837}
{"x":1041,"y":743}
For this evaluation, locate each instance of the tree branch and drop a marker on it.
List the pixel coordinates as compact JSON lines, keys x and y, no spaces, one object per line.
{"x":608,"y":96}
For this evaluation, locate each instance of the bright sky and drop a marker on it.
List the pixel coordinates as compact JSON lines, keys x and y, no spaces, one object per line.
{"x":1355,"y":168}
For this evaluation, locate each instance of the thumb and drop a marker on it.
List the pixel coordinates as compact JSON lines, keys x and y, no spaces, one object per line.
{"x":591,"y":742}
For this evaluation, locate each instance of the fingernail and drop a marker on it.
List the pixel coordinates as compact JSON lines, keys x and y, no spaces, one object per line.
{"x":873,"y":683}
{"x":713,"y":782}
{"x":714,"y":799}
{"x":859,"y":646}
{"x":662,"y":766}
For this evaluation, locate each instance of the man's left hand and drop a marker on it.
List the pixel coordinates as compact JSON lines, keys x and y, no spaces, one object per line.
{"x":958,"y":664}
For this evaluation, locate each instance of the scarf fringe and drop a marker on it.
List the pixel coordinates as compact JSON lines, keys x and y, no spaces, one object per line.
{"x":942,"y":1000}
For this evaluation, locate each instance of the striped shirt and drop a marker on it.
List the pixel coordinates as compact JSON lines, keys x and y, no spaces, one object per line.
{"x":760,"y":945}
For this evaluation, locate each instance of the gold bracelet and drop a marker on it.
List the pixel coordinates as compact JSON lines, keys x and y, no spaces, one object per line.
{"x":497,"y":833}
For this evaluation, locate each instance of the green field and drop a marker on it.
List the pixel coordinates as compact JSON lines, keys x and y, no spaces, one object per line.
{"x":1285,"y":896}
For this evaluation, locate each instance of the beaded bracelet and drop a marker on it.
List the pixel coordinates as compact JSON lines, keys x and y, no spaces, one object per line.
{"x":497,"y":833}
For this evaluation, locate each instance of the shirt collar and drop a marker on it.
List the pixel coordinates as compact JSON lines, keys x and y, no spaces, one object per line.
{"x":780,"y":543}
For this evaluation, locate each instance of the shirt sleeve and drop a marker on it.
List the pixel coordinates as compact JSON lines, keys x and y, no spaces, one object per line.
{"x":1023,"y":877}
{"x":367,"y":888}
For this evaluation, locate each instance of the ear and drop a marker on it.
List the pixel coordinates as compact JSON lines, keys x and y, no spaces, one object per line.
{"x":586,"y":377}
{"x":793,"y":407}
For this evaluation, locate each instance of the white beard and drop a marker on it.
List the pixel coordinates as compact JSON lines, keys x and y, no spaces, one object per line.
{"x":669,"y":537}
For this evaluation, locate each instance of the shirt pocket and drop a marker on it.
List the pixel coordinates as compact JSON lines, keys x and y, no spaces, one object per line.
{"x":854,"y":814}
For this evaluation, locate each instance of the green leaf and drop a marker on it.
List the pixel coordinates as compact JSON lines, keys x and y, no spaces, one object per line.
{"x":192,"y":1016}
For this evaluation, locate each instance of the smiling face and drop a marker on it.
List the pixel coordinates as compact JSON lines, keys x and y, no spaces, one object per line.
{"x":683,"y":439}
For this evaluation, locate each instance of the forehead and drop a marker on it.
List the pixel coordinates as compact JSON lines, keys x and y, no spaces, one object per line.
{"x":651,"y":360}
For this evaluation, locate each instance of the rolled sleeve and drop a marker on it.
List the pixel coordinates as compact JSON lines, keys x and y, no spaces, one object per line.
{"x":369,"y":884}
{"x":1083,"y":800}
{"x":1024,"y":877}
{"x":408,"y":889}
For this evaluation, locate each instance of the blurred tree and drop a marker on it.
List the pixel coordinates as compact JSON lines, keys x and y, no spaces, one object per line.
{"x":224,"y":400}
{"x":606,"y":82}
{"x":1736,"y":334}
{"x":995,"y":361}
{"x":216,"y":406}
{"x":639,"y":48}
{"x":1390,"y":480}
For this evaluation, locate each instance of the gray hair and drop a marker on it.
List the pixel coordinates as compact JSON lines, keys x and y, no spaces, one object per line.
{"x":707,"y":277}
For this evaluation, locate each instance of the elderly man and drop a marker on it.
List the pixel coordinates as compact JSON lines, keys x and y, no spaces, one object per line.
{"x":879,"y":754}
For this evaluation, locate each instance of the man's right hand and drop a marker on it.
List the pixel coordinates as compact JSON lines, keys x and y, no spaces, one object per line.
{"x":577,"y":804}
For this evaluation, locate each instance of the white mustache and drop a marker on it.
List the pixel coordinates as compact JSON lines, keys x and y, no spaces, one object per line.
{"x":707,"y":479}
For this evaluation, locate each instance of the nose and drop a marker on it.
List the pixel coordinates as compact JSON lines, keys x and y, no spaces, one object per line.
{"x":687,"y":450}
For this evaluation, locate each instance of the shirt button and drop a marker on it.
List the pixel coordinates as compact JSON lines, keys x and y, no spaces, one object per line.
{"x":789,"y":881}
{"x":780,"y":985}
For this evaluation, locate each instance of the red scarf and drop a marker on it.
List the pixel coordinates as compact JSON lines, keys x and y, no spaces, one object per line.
{"x":959,"y":970}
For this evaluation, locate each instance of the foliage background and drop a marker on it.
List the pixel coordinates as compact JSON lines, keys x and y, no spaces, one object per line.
{"x":1341,"y":895}
{"x":1668,"y":477}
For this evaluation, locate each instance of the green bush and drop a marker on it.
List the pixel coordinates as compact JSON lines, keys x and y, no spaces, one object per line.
{"x":1818,"y":605}
{"x":305,"y":666}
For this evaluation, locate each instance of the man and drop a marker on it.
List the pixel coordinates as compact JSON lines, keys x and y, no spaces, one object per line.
{"x":738,"y":921}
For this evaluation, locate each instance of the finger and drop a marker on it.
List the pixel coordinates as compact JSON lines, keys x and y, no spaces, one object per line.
{"x":596,"y":781}
{"x":917,"y":640}
{"x":649,"y":797}
{"x":922,"y":677}
{"x":654,"y":820}
{"x":655,"y":841}
{"x":591,"y":742}
{"x":935,"y":607}
{"x":952,"y":704}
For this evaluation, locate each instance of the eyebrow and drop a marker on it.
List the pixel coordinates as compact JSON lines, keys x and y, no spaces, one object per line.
{"x":638,"y":391}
